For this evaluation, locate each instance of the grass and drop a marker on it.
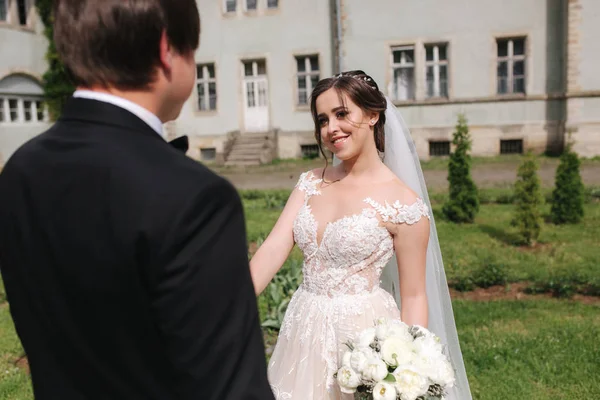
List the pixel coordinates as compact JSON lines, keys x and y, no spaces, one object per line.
{"x":14,"y":382}
{"x":542,"y":349}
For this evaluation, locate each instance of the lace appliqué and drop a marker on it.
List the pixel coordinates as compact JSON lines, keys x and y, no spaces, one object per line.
{"x":308,"y":184}
{"x":279,"y":394}
{"x":398,"y":213}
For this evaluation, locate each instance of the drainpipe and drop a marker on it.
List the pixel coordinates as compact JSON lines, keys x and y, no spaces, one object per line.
{"x":336,"y":35}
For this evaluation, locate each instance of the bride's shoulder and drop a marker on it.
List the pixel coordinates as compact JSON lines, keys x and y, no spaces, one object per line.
{"x":397,"y":203}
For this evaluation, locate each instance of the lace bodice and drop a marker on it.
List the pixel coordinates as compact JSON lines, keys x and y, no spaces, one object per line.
{"x":354,"y":249}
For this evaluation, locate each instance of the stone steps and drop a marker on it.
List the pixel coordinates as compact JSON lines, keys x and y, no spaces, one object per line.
{"x":247,"y":149}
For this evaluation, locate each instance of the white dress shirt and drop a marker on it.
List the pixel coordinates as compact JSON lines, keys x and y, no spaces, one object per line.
{"x":149,"y":118}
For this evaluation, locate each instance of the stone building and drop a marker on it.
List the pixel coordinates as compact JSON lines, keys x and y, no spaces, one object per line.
{"x":522,"y":71}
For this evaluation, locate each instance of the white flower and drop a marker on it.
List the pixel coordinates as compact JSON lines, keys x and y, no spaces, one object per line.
{"x":384,"y":391}
{"x":410,"y":383}
{"x":358,"y":360}
{"x":400,"y":329}
{"x":348,"y":380}
{"x":366,"y":338}
{"x":443,"y":374}
{"x":375,"y":370}
{"x":382,"y":328}
{"x":429,"y":347}
{"x":346,"y":359}
{"x":396,"y":350}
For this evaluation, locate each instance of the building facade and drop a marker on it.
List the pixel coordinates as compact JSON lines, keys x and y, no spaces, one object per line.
{"x":523,"y":72}
{"x":22,"y":64}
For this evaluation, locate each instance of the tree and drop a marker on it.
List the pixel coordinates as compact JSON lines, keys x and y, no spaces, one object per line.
{"x":568,"y":194}
{"x":57,"y":85}
{"x":463,"y":204}
{"x":528,"y":201}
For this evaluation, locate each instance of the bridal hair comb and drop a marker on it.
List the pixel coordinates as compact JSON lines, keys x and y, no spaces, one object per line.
{"x":365,"y":78}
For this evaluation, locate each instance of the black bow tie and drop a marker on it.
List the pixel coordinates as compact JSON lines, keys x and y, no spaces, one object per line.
{"x":181,"y":143}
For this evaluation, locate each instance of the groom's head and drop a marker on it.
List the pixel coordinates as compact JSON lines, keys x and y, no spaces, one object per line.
{"x":144,"y":48}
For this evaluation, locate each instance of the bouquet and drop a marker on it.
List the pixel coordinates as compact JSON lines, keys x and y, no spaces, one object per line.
{"x":395,"y":361}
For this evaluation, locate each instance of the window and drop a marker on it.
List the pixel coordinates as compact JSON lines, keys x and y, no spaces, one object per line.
{"x":3,"y":10}
{"x":230,"y":6}
{"x":251,"y":5}
{"x":436,"y":64}
{"x":13,"y":110}
{"x":28,"y":108}
{"x":309,"y":151}
{"x":39,"y":109}
{"x":403,"y":71}
{"x":22,"y":11}
{"x":514,"y":146}
{"x":272,"y":3}
{"x":207,"y":87}
{"x":439,"y":148}
{"x":307,"y":68}
{"x":21,"y":110}
{"x":511,"y":65}
{"x":208,"y":154}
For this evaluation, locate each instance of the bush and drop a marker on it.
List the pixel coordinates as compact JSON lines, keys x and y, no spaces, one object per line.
{"x":463,"y":203}
{"x":528,"y":201}
{"x":278,"y":294}
{"x":57,"y":84}
{"x":568,"y":195}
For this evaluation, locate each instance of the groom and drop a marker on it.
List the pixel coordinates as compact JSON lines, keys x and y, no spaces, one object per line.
{"x":125,"y":262}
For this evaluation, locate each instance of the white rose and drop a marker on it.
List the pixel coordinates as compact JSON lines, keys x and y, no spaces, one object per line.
{"x":396,"y":350}
{"x":382,"y":328}
{"x":399,"y":329}
{"x":429,"y":347}
{"x":348,"y":380}
{"x":346,"y":359}
{"x":443,"y":374}
{"x":375,"y":370}
{"x":358,"y":360}
{"x":366,"y":338}
{"x":410,"y":383}
{"x":384,"y":391}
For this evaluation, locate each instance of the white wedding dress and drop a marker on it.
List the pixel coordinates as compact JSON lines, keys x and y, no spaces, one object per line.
{"x":340,"y":294}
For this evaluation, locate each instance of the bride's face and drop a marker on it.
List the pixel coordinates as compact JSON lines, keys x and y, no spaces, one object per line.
{"x":345,"y":129}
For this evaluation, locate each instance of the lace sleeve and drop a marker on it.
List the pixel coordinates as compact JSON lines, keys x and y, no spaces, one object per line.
{"x":307,"y":183}
{"x":398,"y":213}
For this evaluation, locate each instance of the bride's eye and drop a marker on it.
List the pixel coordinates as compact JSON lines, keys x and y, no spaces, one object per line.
{"x":322,"y":121}
{"x":341,"y":114}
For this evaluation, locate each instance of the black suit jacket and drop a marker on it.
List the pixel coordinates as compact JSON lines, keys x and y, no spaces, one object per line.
{"x":125,"y":265}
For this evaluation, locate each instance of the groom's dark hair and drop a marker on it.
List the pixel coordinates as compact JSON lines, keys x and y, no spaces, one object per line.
{"x":117,"y":42}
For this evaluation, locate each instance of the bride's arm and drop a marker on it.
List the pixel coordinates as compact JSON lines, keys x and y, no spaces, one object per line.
{"x":410,"y":243}
{"x":277,"y":246}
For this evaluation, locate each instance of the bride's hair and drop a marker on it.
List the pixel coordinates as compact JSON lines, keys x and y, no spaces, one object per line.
{"x":362,"y":90}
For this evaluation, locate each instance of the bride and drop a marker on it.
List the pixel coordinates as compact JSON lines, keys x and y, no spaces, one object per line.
{"x":368,"y":238}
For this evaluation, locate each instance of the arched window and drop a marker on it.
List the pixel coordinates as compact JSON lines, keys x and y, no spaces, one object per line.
{"x":21,"y":100}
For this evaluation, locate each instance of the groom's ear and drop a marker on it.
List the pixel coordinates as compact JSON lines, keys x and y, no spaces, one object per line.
{"x":166,"y":53}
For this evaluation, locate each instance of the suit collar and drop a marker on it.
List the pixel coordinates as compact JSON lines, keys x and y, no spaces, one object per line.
{"x":103,"y":113}
{"x":145,"y":115}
